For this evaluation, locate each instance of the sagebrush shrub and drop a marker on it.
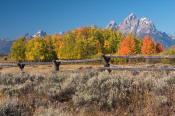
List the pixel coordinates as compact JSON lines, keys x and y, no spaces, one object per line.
{"x":124,"y":91}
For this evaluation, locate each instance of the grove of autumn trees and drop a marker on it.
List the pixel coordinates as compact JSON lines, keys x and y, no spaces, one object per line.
{"x":150,"y":47}
{"x":132,"y":46}
{"x":82,"y":43}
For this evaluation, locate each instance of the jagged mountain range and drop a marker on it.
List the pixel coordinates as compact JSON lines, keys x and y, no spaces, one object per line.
{"x":142,"y":27}
{"x":39,"y":33}
{"x":131,"y":24}
{"x":5,"y":44}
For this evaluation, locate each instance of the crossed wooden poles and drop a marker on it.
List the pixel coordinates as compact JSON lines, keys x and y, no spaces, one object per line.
{"x":106,"y":59}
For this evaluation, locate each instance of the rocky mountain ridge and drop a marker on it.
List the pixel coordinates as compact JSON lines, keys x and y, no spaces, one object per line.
{"x":5,"y":44}
{"x":39,"y":33}
{"x":142,"y":27}
{"x":131,"y":24}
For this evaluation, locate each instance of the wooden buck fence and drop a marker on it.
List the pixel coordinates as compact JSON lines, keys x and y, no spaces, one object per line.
{"x":104,"y":58}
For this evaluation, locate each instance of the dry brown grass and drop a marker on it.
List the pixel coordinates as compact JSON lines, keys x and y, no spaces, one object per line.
{"x":85,"y":92}
{"x":46,"y":68}
{"x":50,"y":68}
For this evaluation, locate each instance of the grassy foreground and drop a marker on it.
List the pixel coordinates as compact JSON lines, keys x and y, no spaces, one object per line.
{"x":85,"y":92}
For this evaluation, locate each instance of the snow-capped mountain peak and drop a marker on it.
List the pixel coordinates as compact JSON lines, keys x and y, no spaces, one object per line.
{"x":112,"y":24}
{"x":146,"y":21}
{"x":137,"y":26}
{"x":28,"y":36}
{"x":142,"y":27}
{"x":129,"y":25}
{"x":61,"y":33}
{"x":39,"y":33}
{"x":132,"y":16}
{"x":145,"y":26}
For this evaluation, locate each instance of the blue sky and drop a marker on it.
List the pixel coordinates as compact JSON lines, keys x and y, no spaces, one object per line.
{"x":18,"y":17}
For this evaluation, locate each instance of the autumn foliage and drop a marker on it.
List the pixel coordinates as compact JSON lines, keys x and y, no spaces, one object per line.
{"x":128,"y":46}
{"x":82,"y":43}
{"x":159,"y":48}
{"x":149,"y":46}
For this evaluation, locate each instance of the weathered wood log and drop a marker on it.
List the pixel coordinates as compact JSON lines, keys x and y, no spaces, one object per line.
{"x":139,"y":69}
{"x":107,"y":60}
{"x":56,"y":65}
{"x":21,"y":66}
{"x":5,"y":58}
{"x":79,"y":61}
{"x":37,"y":63}
{"x":144,"y":57}
{"x":8,"y":64}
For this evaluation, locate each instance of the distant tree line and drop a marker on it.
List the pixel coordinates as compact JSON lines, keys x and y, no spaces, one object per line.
{"x":81,"y":43}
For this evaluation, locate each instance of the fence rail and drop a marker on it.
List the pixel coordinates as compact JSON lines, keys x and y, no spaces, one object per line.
{"x":104,"y":58}
{"x":142,"y":57}
{"x":8,"y":64}
{"x":80,"y":61}
{"x":139,"y":69}
{"x":26,"y":63}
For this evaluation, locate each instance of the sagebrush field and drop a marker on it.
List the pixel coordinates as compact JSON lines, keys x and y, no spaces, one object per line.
{"x":87,"y":92}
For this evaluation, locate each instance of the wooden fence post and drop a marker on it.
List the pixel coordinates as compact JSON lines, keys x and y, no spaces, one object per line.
{"x":56,"y":65}
{"x":107,"y":59}
{"x":21,"y":66}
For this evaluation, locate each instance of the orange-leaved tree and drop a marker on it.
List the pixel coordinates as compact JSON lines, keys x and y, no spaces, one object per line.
{"x":127,"y":46}
{"x":148,"y":46}
{"x":159,"y":48}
